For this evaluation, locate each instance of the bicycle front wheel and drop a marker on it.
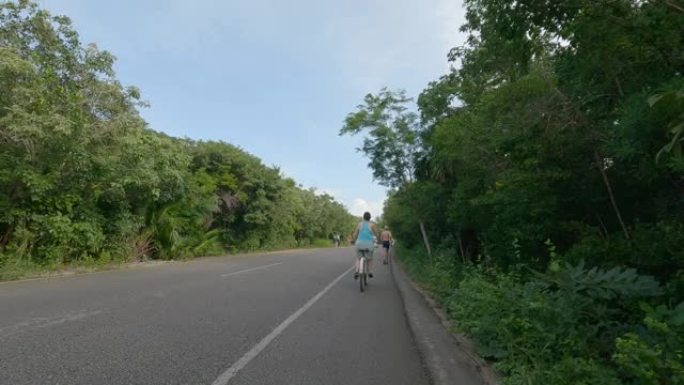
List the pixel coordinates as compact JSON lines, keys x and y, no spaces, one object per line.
{"x":361,"y":281}
{"x":362,"y":273}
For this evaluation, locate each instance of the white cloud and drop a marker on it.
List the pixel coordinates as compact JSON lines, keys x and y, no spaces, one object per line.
{"x":397,"y":43}
{"x":360,"y":205}
{"x":369,"y":44}
{"x":450,"y":15}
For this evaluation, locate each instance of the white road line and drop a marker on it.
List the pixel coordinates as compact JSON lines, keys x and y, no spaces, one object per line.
{"x":252,"y":269}
{"x":45,"y":322}
{"x":225,"y":377}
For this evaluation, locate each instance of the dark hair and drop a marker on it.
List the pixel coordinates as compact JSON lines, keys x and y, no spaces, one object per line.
{"x":366,"y":216}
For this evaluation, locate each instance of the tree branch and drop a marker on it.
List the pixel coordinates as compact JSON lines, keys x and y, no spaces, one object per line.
{"x":599,"y":164}
{"x":674,"y":6}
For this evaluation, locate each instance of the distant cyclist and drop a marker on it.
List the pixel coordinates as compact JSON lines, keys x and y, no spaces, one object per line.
{"x":386,"y":239}
{"x":363,"y":238}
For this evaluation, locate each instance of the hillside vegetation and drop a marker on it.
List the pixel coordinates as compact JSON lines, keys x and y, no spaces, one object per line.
{"x":83,"y":179}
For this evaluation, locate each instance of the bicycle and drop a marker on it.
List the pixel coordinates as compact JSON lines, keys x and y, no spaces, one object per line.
{"x":363,"y":269}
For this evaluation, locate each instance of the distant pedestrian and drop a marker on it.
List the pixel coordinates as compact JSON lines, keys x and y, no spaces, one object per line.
{"x":386,"y":239}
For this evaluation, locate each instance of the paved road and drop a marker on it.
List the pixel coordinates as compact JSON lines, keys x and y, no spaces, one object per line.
{"x":281,"y":318}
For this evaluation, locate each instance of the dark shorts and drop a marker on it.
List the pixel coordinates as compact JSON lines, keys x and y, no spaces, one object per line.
{"x":386,"y":244}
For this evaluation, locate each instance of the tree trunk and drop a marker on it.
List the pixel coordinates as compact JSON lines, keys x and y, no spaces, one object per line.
{"x":619,"y":87}
{"x":6,"y":237}
{"x":602,"y":230}
{"x":425,"y":239}
{"x":460,"y":246}
{"x":599,"y":164}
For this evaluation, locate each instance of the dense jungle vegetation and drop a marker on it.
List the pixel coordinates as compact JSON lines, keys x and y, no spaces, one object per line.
{"x":83,"y":179}
{"x":538,"y":189}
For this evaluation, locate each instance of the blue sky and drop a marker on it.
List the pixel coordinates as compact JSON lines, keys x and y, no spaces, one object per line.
{"x":273,"y":77}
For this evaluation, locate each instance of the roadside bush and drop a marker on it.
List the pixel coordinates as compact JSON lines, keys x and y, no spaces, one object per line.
{"x":654,"y":247}
{"x":63,"y":240}
{"x":653,"y":354}
{"x":439,"y":274}
{"x":553,"y":329}
{"x":321,"y":242}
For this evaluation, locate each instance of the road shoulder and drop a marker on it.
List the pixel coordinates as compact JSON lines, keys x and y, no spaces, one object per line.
{"x":66,"y":271}
{"x":448,"y":359}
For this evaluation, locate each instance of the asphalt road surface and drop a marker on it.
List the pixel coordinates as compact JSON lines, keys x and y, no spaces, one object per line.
{"x":283,"y":318}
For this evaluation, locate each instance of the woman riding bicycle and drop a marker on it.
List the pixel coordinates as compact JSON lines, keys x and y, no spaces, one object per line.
{"x":364,"y":239}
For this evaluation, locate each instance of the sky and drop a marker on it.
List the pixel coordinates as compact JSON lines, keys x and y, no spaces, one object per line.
{"x":274,"y":77}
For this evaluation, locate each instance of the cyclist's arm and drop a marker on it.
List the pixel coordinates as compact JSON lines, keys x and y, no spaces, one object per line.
{"x":374,"y":229}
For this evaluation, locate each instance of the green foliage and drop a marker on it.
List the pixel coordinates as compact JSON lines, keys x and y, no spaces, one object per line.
{"x":438,"y":277}
{"x":552,"y":329}
{"x":654,"y":248}
{"x":321,"y":243}
{"x":654,"y":355}
{"x":393,"y":141}
{"x":603,"y":284}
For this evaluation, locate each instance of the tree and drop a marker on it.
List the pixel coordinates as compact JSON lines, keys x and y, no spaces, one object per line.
{"x":392,"y":144}
{"x":553,"y":149}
